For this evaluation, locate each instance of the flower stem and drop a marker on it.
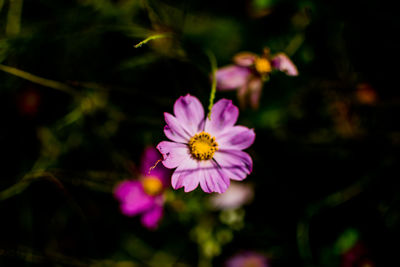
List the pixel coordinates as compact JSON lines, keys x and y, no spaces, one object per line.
{"x":39,"y":80}
{"x":213,"y":63}
{"x":152,"y":37}
{"x":13,"y":26}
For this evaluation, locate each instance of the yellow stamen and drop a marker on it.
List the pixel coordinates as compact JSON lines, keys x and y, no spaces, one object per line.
{"x":262,"y":65}
{"x":152,"y":185}
{"x":203,"y":146}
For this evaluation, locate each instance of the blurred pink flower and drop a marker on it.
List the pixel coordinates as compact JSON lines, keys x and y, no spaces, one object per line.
{"x":247,"y":259}
{"x":249,"y":72}
{"x":205,"y":151}
{"x":145,"y":196}
{"x":236,"y":196}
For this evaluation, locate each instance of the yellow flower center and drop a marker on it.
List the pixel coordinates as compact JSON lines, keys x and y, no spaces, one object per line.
{"x":262,"y":65}
{"x":203,"y":146}
{"x":152,"y":185}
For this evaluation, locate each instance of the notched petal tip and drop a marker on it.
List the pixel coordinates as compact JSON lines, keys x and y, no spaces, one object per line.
{"x":160,"y":149}
{"x":187,"y":189}
{"x":283,"y":63}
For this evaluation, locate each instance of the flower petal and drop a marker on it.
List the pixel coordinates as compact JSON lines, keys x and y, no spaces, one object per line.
{"x":174,"y":130}
{"x":173,"y":153}
{"x":191,"y":172}
{"x":223,"y":115}
{"x":213,"y":179}
{"x":151,"y":217}
{"x":283,"y":63}
{"x":186,"y":175}
{"x":236,"y":196}
{"x":242,"y":94}
{"x":235,"y":164}
{"x":190,"y":113}
{"x":132,"y":197}
{"x":255,"y":88}
{"x":238,"y":137}
{"x":149,"y":158}
{"x":245,"y":59}
{"x":232,"y":77}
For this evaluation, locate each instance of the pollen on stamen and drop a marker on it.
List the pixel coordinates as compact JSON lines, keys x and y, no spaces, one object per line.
{"x":155,"y":165}
{"x":202,"y":146}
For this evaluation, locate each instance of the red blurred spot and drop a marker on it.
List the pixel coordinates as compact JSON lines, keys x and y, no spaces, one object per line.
{"x":28,"y":102}
{"x":357,"y":256}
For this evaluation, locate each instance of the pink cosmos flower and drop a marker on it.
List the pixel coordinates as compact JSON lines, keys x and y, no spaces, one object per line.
{"x":236,"y":196}
{"x":249,"y":72}
{"x":205,"y":151}
{"x":245,"y":259}
{"x":145,"y":195}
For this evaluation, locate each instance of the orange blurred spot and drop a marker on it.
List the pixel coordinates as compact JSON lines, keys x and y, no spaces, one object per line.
{"x":152,"y":185}
{"x":365,"y":94}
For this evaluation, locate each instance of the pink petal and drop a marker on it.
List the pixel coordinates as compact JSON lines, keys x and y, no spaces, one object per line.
{"x":190,"y":113}
{"x":283,"y":63}
{"x":173,"y":153}
{"x":248,"y":259}
{"x":175,"y":130}
{"x":232,"y":77}
{"x":149,"y":158}
{"x":132,"y":197}
{"x":255,"y":88}
{"x":238,"y":137}
{"x":242,"y":95}
{"x":191,"y":172}
{"x":236,"y":196}
{"x":213,"y":179}
{"x":245,"y":59}
{"x":151,"y":218}
{"x":186,"y":175}
{"x":223,"y":115}
{"x":235,"y":164}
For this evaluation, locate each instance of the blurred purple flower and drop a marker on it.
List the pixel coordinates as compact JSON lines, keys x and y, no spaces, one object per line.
{"x":236,"y":196}
{"x":145,"y":196}
{"x":249,"y":72}
{"x":205,"y":151}
{"x":247,"y":259}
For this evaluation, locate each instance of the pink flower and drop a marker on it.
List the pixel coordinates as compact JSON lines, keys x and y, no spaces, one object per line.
{"x":244,"y":259}
{"x":236,"y":196}
{"x":249,"y":72}
{"x":205,"y":151}
{"x":144,"y":196}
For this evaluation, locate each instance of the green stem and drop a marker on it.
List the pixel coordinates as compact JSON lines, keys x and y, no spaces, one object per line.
{"x":1,"y":4}
{"x":213,"y":63}
{"x":13,"y":26}
{"x":295,"y":44}
{"x":39,"y":80}
{"x":152,"y":37}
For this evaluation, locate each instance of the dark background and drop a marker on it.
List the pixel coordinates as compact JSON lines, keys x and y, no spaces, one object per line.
{"x":325,"y":159}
